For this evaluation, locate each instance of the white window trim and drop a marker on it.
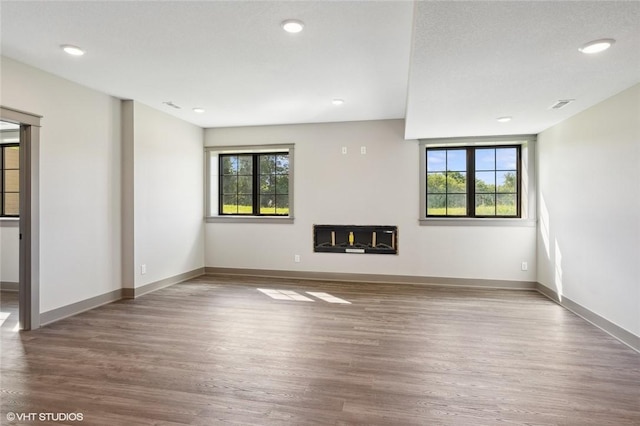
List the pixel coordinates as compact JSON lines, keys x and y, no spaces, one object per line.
{"x":528,"y":181}
{"x":211,"y":182}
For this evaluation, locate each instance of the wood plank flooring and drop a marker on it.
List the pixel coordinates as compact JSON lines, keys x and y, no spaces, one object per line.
{"x":215,"y":350}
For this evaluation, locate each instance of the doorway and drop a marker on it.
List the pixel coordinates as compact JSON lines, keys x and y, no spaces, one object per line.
{"x":9,"y":224}
{"x":28,"y":131}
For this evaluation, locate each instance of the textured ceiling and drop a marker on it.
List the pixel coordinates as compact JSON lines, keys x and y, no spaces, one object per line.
{"x":231,"y":58}
{"x":473,"y":62}
{"x":449,"y":68}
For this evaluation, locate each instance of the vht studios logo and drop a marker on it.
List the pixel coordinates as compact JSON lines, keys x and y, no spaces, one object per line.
{"x":45,"y":417}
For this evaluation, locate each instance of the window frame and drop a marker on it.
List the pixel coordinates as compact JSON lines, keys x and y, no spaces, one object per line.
{"x":213,"y":183}
{"x":3,"y":191}
{"x":256,"y":175}
{"x":470,"y":154}
{"x":526,"y":181}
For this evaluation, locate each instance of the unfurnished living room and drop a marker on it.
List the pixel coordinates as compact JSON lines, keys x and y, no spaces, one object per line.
{"x":320,"y":212}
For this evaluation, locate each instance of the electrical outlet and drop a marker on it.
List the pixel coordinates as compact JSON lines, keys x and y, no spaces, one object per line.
{"x":143,"y":269}
{"x":363,"y":150}
{"x":344,"y":149}
{"x":296,"y":258}
{"x":524,"y":266}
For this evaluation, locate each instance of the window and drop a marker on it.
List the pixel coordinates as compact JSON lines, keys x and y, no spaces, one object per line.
{"x":10,"y":180}
{"x":478,"y":181}
{"x":473,"y":181}
{"x":250,"y":183}
{"x":254,"y":184}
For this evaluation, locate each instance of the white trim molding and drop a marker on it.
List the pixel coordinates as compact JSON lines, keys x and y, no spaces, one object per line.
{"x":528,"y":180}
{"x":211,"y":154}
{"x":602,"y":323}
{"x":374,"y":278}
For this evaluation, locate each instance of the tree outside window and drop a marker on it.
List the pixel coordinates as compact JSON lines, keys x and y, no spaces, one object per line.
{"x":473,"y":182}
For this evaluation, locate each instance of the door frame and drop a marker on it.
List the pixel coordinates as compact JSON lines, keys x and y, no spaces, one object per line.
{"x":29,"y":281}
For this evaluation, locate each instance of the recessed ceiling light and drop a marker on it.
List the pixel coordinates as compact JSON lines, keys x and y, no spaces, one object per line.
{"x":597,"y":46}
{"x":292,"y":26}
{"x":72,"y":50}
{"x":337,"y":101}
{"x":505,"y":119}
{"x":198,"y":110}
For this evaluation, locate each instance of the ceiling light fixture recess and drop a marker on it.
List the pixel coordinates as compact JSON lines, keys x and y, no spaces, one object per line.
{"x":505,"y":119}
{"x":337,"y":101}
{"x":597,"y":46}
{"x":292,"y":26}
{"x":198,"y":110}
{"x":72,"y":50}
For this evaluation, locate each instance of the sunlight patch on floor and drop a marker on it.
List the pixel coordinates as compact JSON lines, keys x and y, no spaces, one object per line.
{"x":328,"y":297}
{"x":284,"y":295}
{"x":292,"y":295}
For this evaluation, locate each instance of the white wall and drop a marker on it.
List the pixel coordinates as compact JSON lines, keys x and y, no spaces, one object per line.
{"x":167,"y":214}
{"x":79,"y":183}
{"x":378,"y":188}
{"x":589,"y":204}
{"x":9,"y":251}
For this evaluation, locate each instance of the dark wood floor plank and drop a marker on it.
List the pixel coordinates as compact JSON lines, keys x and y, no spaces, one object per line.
{"x":215,"y":350}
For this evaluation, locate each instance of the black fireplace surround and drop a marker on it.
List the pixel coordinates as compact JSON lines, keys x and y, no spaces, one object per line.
{"x":377,"y":239}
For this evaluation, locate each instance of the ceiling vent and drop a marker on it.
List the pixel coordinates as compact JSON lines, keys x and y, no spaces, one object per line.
{"x":561,"y":103}
{"x":172,"y":105}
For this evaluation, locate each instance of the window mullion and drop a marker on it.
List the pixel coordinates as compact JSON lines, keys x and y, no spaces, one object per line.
{"x":256,"y":184}
{"x":220,"y":193}
{"x":495,"y":180}
{"x":446,"y":184}
{"x":471,"y":180}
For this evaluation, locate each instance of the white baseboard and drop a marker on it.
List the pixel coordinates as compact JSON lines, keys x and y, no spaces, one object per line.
{"x":132,"y":293}
{"x":375,"y":278}
{"x":113,"y":296}
{"x":604,"y":324}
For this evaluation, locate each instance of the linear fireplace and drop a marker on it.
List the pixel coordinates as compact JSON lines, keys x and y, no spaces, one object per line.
{"x":355,"y":239}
